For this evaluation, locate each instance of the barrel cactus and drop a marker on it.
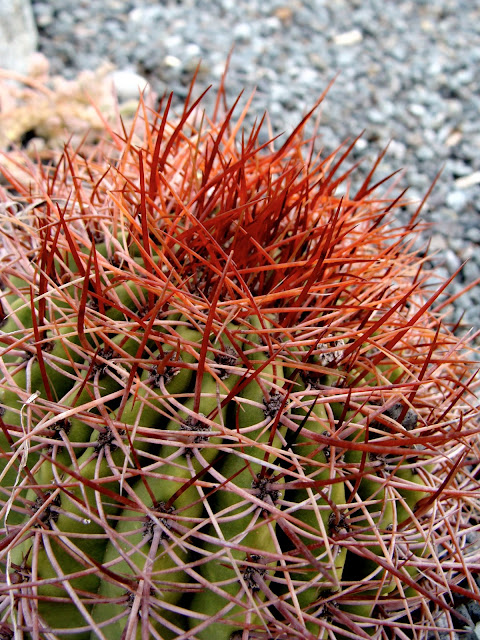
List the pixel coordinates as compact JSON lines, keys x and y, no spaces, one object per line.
{"x":231,"y":405}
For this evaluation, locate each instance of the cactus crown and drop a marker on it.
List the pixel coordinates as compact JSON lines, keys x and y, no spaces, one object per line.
{"x":231,"y":405}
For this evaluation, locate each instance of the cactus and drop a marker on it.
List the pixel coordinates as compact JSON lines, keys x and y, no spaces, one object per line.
{"x":232,"y":407}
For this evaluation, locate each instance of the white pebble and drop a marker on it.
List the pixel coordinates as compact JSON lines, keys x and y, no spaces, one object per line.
{"x":348,"y":37}
{"x":468,"y":181}
{"x":242,"y":32}
{"x":456,"y":200}
{"x":128,"y":84}
{"x":172,"y":61}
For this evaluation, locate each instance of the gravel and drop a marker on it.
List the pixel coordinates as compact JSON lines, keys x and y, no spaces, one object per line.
{"x":406,"y":72}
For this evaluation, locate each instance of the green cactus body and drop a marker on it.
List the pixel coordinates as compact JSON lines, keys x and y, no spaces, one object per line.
{"x":385,"y":510}
{"x":237,"y":579}
{"x":17,"y":321}
{"x":148,"y":406}
{"x":325,"y":490}
{"x":126,"y":296}
{"x":254,"y":530}
{"x":75,"y":430}
{"x":411,"y":496}
{"x":60,"y":374}
{"x":135,"y":550}
{"x":85,"y":534}
{"x":163,"y":490}
{"x":73,"y":521}
{"x":215,"y":386}
{"x":381,"y":508}
{"x":19,"y":415}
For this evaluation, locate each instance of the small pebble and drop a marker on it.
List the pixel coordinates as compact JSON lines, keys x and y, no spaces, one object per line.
{"x":456,"y":200}
{"x":128,"y":85}
{"x":348,"y":38}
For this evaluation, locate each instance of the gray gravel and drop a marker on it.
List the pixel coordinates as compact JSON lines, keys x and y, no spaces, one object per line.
{"x":408,"y":74}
